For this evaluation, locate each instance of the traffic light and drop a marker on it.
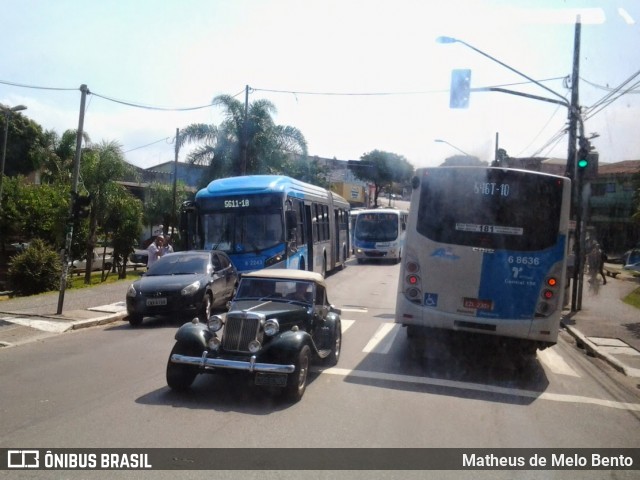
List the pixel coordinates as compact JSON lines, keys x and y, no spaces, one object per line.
{"x":587,"y":161}
{"x":460,"y":88}
{"x":81,"y":205}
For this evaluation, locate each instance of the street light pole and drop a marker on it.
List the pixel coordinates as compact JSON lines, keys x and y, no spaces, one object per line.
{"x":7,"y":117}
{"x":439,"y":140}
{"x":455,"y":40}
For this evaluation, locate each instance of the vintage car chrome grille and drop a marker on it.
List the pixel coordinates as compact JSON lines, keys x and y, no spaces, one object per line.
{"x":239,"y":331}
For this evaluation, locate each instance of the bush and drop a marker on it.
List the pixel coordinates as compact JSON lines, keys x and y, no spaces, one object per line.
{"x":35,"y":270}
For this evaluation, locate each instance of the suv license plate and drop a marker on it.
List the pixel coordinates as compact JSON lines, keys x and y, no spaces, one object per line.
{"x":155,"y":302}
{"x":271,"y":379}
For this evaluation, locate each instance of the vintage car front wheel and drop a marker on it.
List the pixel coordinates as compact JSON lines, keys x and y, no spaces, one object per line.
{"x":297,"y":381}
{"x":180,"y":376}
{"x":336,"y":345}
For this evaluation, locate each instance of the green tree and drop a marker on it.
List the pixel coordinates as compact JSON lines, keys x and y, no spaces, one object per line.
{"x":123,"y":223}
{"x":24,"y":141}
{"x":382,"y":169}
{"x":35,"y":270}
{"x":158,"y":208}
{"x":34,"y":211}
{"x":57,"y":154}
{"x":101,"y":166}
{"x":268,"y":145}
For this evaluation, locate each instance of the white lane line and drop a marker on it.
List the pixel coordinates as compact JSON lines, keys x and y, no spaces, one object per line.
{"x":346,"y":324}
{"x":376,"y":344}
{"x":355,"y":309}
{"x":553,"y":397}
{"x":556,"y":363}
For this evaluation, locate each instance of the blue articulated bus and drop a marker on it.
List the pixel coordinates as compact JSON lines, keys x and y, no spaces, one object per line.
{"x":269,"y":221}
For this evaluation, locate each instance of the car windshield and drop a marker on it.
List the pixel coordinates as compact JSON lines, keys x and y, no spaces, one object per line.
{"x":179,"y":264}
{"x":287,"y":290}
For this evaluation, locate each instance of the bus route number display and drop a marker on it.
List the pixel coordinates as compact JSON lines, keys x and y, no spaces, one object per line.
{"x":491,"y":189}
{"x":236,"y":203}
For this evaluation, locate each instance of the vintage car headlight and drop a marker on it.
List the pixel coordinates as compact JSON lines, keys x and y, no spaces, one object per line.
{"x":213,"y":344}
{"x":191,"y":289}
{"x":131,"y":291}
{"x":254,"y":346}
{"x":271,"y":327}
{"x":215,"y":323}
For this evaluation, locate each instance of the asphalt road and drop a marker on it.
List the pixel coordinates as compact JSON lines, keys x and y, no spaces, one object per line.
{"x":104,"y":387}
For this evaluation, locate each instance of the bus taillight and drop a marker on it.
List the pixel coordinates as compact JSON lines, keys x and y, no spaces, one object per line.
{"x":413,"y":279}
{"x":548,"y":294}
{"x":552,"y":282}
{"x":412,"y":267}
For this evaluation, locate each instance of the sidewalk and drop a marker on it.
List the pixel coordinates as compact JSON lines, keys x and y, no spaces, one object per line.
{"x":605,"y":326}
{"x":25,"y":319}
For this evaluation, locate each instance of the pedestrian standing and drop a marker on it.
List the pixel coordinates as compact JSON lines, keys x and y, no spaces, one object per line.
{"x":168,"y":247}
{"x":156,"y":250}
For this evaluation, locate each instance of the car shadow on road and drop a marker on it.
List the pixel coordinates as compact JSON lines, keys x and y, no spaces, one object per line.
{"x":224,"y":392}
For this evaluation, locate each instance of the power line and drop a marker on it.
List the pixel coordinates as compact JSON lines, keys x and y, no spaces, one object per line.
{"x":4,"y":82}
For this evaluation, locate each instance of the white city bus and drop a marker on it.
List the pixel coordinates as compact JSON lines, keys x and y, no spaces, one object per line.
{"x":379,"y":234}
{"x":485,"y":252}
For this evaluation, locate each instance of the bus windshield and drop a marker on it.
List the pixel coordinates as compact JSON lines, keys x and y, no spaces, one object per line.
{"x":237,"y":231}
{"x":490,"y":208}
{"x":376,"y":227}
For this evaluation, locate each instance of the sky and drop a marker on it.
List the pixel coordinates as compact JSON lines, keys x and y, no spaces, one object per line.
{"x":352,"y":76}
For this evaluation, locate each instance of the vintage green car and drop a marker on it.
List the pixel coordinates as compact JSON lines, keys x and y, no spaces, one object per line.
{"x":279,"y":322}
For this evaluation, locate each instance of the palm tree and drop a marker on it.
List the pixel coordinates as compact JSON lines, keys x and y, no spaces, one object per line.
{"x":267,"y":144}
{"x":57,"y":155}
{"x":100,"y":167}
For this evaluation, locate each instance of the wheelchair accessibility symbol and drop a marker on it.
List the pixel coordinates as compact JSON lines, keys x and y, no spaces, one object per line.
{"x":430,"y":299}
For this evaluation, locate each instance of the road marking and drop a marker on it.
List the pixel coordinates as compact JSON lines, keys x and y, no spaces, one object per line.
{"x":556,"y":363}
{"x":346,"y":324}
{"x":356,"y":309}
{"x":376,"y":344}
{"x":553,"y":397}
{"x":38,"y":324}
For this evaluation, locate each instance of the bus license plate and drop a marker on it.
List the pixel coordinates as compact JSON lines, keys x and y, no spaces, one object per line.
{"x":156,"y":302}
{"x":271,"y":379}
{"x":478,"y":304}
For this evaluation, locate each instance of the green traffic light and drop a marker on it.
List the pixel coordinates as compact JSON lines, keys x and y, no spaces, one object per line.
{"x":582,"y":163}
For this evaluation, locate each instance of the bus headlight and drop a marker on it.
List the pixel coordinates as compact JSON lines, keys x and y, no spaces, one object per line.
{"x":274,"y":260}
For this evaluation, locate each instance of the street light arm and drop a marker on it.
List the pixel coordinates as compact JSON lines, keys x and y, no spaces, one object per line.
{"x":521,"y":94}
{"x":438,"y":140}
{"x":456,"y":40}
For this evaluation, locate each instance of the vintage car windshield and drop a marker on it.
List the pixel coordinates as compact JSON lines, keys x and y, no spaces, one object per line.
{"x":255,"y":288}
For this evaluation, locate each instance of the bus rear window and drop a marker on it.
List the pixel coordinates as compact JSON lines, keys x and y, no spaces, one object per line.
{"x":495,"y":209}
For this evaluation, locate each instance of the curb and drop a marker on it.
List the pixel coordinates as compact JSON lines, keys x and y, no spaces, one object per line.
{"x":92,"y":322}
{"x":592,"y":350}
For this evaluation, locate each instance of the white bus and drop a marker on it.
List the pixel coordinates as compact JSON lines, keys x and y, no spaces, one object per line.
{"x":379,"y":234}
{"x":485,"y":252}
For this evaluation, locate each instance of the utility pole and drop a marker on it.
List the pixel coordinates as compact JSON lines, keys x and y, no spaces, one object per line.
{"x":576,"y":181}
{"x":245,"y":129}
{"x":74,"y":192}
{"x":175,"y":182}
